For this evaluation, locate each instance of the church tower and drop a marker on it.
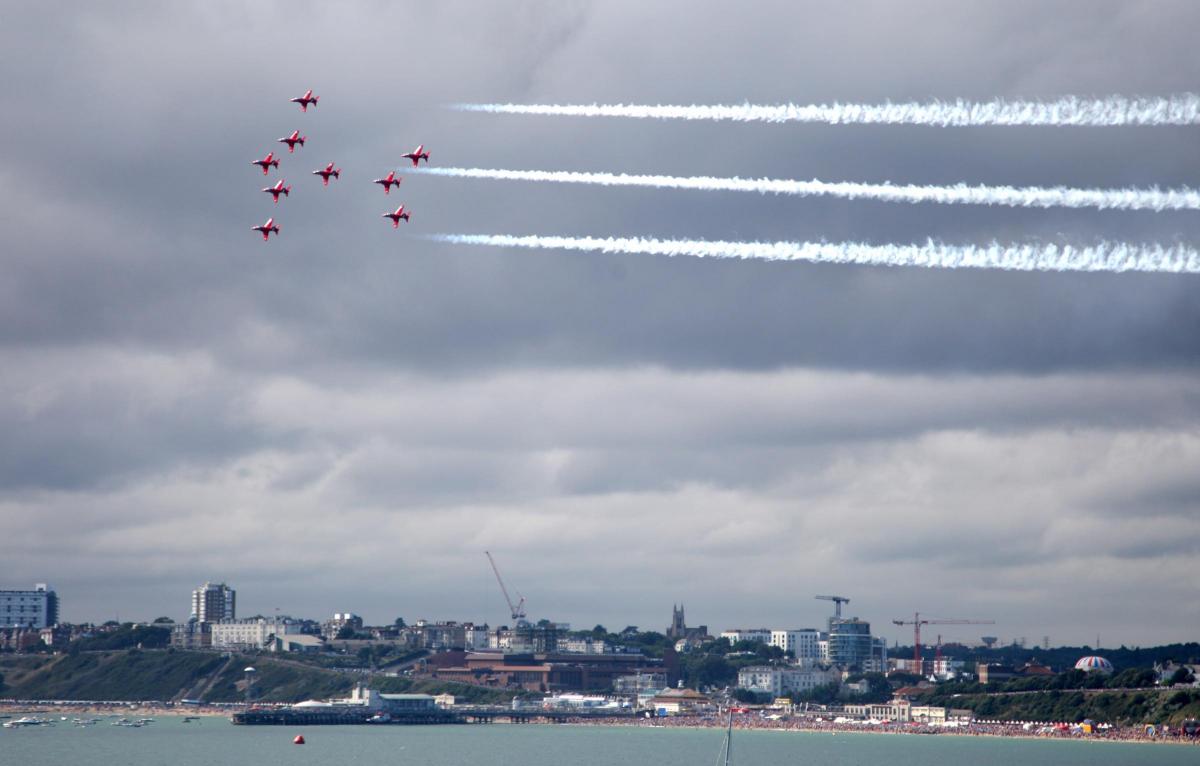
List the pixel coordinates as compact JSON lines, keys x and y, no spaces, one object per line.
{"x":678,"y":627}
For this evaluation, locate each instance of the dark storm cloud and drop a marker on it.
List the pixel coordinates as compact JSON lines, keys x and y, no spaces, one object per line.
{"x":175,"y":388}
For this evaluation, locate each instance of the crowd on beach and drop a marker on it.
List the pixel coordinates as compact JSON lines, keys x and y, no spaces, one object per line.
{"x":975,"y":729}
{"x":748,"y":720}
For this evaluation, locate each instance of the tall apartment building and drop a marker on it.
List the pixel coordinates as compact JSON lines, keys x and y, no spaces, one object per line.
{"x":37,"y":608}
{"x":802,"y":643}
{"x":475,"y":636}
{"x":331,"y":628}
{"x":850,"y":642}
{"x":192,"y":634}
{"x":213,"y":602}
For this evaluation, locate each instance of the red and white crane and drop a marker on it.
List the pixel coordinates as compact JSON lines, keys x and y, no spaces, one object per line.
{"x":917,"y":621}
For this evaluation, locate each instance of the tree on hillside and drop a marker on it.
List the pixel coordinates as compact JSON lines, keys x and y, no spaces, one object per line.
{"x":1182,"y":676}
{"x":751,"y":697}
{"x":1132,"y":678}
{"x":709,"y":670}
{"x":161,"y":620}
{"x":823,"y":695}
{"x":878,"y":688}
{"x":400,"y":623}
{"x":651,"y":643}
{"x":127,"y":637}
{"x":900,"y":678}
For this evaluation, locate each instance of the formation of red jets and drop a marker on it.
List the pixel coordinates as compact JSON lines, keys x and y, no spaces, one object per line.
{"x":329,"y":171}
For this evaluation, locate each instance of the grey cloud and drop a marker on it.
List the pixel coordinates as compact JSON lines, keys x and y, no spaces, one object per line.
{"x":160,"y":252}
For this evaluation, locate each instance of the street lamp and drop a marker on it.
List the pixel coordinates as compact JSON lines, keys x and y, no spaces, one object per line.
{"x":249,"y":675}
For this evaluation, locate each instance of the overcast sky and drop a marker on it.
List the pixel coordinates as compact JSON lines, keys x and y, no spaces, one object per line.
{"x":345,"y":418}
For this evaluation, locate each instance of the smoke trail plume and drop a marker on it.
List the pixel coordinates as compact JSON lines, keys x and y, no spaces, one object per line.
{"x":960,"y":194}
{"x":1106,"y":256}
{"x":1180,"y":109}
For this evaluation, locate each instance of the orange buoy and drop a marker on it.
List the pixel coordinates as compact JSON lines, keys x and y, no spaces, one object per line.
{"x":299,"y":740}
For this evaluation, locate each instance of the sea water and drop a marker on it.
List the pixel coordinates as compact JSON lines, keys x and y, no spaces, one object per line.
{"x":216,"y":742}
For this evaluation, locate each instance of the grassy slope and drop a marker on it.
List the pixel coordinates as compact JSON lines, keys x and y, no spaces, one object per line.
{"x":157,"y":675}
{"x":163,"y":674}
{"x":279,"y":682}
{"x":120,"y":675}
{"x":1132,"y":707}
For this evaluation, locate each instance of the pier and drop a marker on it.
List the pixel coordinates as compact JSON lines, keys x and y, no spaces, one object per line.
{"x":481,"y":714}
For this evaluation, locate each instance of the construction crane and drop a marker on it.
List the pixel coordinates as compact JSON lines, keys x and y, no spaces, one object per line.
{"x":837,"y":603}
{"x":917,"y":621}
{"x":517,"y":610}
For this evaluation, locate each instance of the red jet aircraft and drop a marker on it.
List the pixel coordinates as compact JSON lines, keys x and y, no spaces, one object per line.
{"x":278,"y":189}
{"x":396,"y":216}
{"x":292,"y":140}
{"x":327,"y":172}
{"x":266,"y":162}
{"x":418,"y":154}
{"x":305,"y":100}
{"x":267,"y":228}
{"x":388,"y":182}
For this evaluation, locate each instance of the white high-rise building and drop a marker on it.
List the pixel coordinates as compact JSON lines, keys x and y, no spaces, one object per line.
{"x":736,"y":635}
{"x":802,"y":643}
{"x":213,"y":602}
{"x":37,"y":608}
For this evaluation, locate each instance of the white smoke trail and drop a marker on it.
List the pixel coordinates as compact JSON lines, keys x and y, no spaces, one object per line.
{"x":1180,"y":109}
{"x":1106,"y":256}
{"x":960,"y":194}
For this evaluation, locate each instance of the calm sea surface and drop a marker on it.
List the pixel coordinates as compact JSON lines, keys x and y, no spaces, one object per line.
{"x":216,"y":742}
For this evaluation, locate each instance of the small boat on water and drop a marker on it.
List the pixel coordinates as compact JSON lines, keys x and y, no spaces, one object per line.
{"x":131,"y":724}
{"x":18,"y":723}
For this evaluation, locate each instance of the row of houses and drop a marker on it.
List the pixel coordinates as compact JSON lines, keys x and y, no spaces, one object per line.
{"x":784,"y":681}
{"x":281,"y":633}
{"x":847,"y":642}
{"x":550,"y":671}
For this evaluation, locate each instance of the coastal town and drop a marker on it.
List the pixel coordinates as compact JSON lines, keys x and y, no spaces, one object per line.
{"x":838,"y":677}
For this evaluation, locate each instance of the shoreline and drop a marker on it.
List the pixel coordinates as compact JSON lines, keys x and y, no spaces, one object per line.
{"x":1127,"y":735}
{"x":111,"y":709}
